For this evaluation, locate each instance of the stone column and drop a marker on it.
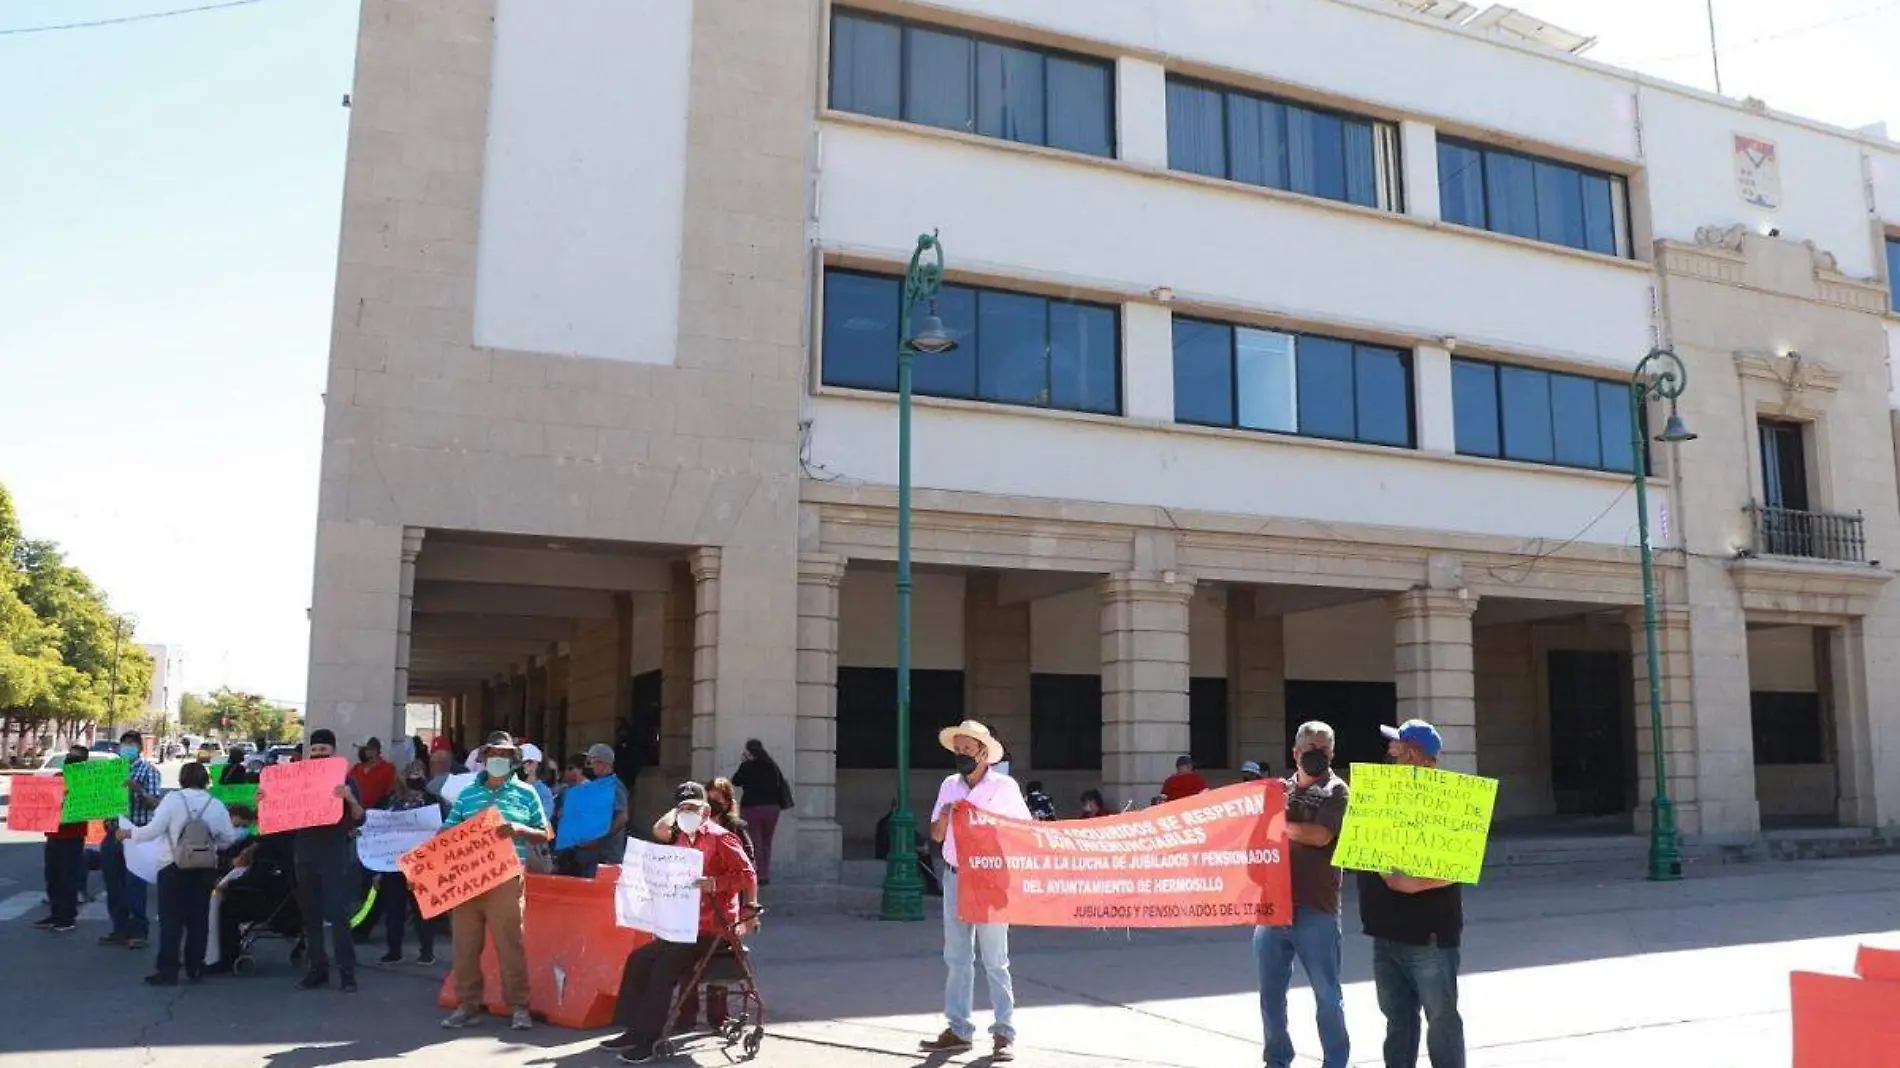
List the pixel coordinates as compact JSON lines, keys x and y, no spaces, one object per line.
{"x":996,"y":655}
{"x":1256,"y":670}
{"x":676,"y":679}
{"x":1678,"y":715}
{"x":405,"y":609}
{"x":1432,"y":666}
{"x":705,"y":569}
{"x":1846,"y":695}
{"x":354,"y":609}
{"x":815,"y":774}
{"x":1144,"y":681}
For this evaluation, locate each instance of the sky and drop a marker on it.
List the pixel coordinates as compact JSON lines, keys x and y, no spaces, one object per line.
{"x":169,"y":201}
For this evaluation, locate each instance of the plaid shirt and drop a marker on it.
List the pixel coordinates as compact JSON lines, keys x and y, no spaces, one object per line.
{"x":145,"y":775}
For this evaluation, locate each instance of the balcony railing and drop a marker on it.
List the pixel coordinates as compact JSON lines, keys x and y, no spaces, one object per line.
{"x":1809,"y":535}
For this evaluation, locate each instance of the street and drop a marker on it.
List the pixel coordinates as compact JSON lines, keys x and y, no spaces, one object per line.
{"x":1557,"y":974}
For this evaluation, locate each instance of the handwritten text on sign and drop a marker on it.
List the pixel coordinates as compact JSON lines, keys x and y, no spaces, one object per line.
{"x":1418,"y":821}
{"x":656,"y":892}
{"x":35,"y":803}
{"x":1211,"y":860}
{"x":386,"y":836}
{"x":301,"y":794}
{"x":460,"y":864}
{"x":95,"y":790}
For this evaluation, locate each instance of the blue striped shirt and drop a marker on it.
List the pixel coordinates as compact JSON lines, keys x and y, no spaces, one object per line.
{"x":518,"y":802}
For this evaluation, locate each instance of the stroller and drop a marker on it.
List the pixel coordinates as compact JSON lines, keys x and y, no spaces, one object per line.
{"x":725,"y":968}
{"x":266,"y":904}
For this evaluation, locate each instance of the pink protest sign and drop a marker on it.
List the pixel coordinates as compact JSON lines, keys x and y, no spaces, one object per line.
{"x":303,"y":794}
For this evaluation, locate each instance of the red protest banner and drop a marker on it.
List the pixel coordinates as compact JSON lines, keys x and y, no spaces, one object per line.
{"x":291,"y":796}
{"x":460,"y":864}
{"x":35,"y":803}
{"x":1213,"y":860}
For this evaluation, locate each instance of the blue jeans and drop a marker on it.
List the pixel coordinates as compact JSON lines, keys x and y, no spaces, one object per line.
{"x":961,"y":943}
{"x":1411,"y":978}
{"x":1313,"y":938}
{"x":125,"y":892}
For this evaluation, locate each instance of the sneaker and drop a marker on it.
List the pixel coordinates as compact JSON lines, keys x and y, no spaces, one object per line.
{"x":622,"y":1041}
{"x":62,"y":928}
{"x":161,"y":980}
{"x":389,"y":958}
{"x":313,"y":979}
{"x":426,"y":959}
{"x":348,"y":984}
{"x":639,"y":1055}
{"x":220,"y":968}
{"x":522,"y":1020}
{"x":135,"y":943}
{"x":113,"y":939}
{"x":462,"y":1017}
{"x":46,"y":924}
{"x":1001,"y":1050}
{"x":948,"y":1042}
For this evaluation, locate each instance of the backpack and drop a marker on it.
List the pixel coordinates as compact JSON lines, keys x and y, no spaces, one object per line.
{"x":195,"y":849}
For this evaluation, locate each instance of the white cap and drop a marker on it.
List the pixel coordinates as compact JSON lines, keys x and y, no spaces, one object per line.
{"x":530,"y":751}
{"x":1251,"y":765}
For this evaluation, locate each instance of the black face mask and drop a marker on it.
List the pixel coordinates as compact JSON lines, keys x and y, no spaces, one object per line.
{"x":418,"y":783}
{"x":362,"y":755}
{"x":965,"y":764}
{"x":1314,"y":762}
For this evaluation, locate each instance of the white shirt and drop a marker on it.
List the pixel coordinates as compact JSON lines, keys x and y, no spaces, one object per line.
{"x":177,"y":809}
{"x":995,"y":793}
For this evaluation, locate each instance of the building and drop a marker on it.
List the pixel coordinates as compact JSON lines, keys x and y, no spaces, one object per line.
{"x":168,"y":682}
{"x":1290,"y":385}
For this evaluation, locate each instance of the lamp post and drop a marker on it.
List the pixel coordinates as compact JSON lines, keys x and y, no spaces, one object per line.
{"x":1665,"y":381}
{"x":903,"y":886}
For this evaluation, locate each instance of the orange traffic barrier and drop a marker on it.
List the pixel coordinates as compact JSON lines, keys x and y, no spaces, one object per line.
{"x":575,"y":952}
{"x":1849,"y":1021}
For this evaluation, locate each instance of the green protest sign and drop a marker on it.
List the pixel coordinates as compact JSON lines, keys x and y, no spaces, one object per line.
{"x":237,"y":793}
{"x":1419,"y":821}
{"x":95,"y":790}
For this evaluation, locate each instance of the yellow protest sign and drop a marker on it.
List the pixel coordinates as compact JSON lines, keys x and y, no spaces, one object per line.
{"x":1419,"y":821}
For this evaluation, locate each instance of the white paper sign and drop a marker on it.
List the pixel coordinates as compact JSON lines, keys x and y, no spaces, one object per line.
{"x":143,"y":859}
{"x":388,"y":835}
{"x":453,"y":786}
{"x":656,"y":892}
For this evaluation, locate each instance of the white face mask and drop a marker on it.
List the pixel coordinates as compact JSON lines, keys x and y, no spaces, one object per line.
{"x":688,"y":822}
{"x":499,"y":767}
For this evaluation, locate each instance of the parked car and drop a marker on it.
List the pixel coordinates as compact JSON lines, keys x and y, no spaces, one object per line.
{"x":52,"y":764}
{"x":279,"y":754}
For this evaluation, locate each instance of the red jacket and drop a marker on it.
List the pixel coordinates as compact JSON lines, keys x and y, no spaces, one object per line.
{"x":1183,"y":784}
{"x":373,"y":784}
{"x":726,"y":863}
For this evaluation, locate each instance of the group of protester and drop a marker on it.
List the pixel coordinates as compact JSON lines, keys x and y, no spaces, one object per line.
{"x":1415,"y":923}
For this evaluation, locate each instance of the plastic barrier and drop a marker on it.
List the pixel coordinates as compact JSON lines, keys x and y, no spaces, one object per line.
{"x":1849,"y":1021}
{"x":575,"y":952}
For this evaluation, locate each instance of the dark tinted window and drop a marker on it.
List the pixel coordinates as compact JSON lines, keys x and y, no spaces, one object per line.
{"x":1474,"y":406}
{"x":1520,"y":413}
{"x":1893,"y":271}
{"x":1787,"y":728}
{"x":867,"y":716}
{"x":956,"y":81}
{"x":1280,"y":144}
{"x":1255,"y":379}
{"x":1013,"y":348}
{"x":1525,"y":395}
{"x":1207,"y":722}
{"x":1576,"y":431}
{"x":1065,"y":722}
{"x":1613,"y":426}
{"x":1541,"y":199}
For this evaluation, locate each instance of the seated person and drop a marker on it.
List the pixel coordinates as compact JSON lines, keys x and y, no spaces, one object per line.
{"x":729,"y":898}
{"x":256,"y":886}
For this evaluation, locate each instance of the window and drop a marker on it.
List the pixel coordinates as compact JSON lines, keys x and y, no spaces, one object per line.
{"x":1543,"y":417}
{"x":1238,"y":376}
{"x":1065,"y":722}
{"x":1207,"y":722}
{"x":1784,"y":465}
{"x":867,"y":720}
{"x":1279,"y":144}
{"x":1012,"y":348}
{"x":956,"y":81}
{"x":1787,"y":728}
{"x":1542,"y":199}
{"x":1893,"y":272}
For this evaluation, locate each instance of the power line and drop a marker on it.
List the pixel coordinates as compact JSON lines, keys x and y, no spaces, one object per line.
{"x":123,"y":19}
{"x":1779,"y":35}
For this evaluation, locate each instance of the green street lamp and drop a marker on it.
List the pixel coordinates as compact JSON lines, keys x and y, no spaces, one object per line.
{"x":1666,"y":382}
{"x":903,"y":886}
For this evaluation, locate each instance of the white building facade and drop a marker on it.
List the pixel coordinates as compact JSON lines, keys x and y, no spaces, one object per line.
{"x":168,"y":682}
{"x":1289,"y":385}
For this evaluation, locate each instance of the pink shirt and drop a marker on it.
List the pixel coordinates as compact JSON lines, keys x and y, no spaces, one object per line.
{"x":996,"y":793}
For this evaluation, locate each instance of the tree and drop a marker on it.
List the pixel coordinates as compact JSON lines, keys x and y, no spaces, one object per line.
{"x":230,"y":714}
{"x":92,"y":639}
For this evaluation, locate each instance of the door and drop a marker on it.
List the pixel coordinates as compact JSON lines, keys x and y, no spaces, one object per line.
{"x":1589,"y":720}
{"x":1784,"y":489}
{"x":1354,"y":710}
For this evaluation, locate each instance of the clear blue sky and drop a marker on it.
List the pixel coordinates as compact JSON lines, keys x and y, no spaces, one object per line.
{"x":169,"y":196}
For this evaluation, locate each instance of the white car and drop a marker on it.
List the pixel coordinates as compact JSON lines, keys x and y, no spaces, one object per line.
{"x":52,"y":765}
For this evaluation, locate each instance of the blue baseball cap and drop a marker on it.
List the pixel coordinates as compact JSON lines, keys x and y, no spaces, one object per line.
{"x":1416,"y":732}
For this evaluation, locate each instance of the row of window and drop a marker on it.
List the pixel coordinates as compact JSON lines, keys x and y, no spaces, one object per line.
{"x":1043,"y":352}
{"x":932,"y":76}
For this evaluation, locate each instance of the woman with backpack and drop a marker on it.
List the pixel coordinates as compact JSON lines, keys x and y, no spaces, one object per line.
{"x":196,"y":826}
{"x":766,"y":793}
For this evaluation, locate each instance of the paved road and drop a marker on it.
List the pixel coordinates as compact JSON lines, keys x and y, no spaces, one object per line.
{"x":1557,"y":975}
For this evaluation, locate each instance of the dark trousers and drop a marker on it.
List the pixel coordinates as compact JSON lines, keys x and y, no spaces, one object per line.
{"x":646,"y":986}
{"x":397,"y":903}
{"x":245,"y":901}
{"x":65,"y":874}
{"x":1411,"y":979}
{"x":323,"y":896}
{"x":184,"y":918}
{"x":763,"y":820}
{"x":125,"y":892}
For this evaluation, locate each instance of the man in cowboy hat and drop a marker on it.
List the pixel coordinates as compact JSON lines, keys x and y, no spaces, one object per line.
{"x":978,"y":783}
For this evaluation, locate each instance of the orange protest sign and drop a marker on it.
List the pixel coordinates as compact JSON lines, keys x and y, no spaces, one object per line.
{"x":35,"y":803}
{"x":291,"y":796}
{"x":1212,"y":860}
{"x":460,"y":864}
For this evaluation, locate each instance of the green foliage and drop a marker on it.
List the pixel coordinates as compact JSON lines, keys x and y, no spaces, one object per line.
{"x":229,"y":714}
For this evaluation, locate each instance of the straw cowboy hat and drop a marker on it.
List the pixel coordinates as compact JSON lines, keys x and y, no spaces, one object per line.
{"x":971,"y":729}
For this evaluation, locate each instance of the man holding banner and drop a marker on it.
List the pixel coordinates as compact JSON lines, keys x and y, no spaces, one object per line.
{"x":495,"y":913}
{"x":126,"y":895}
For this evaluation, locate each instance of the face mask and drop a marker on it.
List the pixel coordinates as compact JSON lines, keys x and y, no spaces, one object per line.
{"x":588,"y":774}
{"x":418,"y":783}
{"x":688,"y":822}
{"x":362,"y":755}
{"x":499,"y":767}
{"x":719,"y":807}
{"x":1315,"y":762}
{"x":965,"y":764}
{"x":246,"y":832}
{"x":129,"y":752}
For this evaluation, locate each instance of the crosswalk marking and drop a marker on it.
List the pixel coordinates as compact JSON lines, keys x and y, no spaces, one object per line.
{"x":33,"y":901}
